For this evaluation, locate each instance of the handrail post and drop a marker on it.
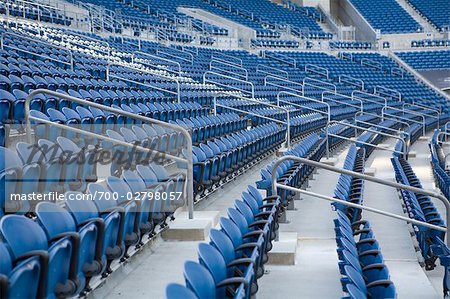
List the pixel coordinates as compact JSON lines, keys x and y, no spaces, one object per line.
{"x":187,"y":135}
{"x":443,"y":199}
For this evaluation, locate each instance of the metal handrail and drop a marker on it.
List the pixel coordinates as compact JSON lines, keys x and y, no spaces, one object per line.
{"x":383,"y":111}
{"x":177,"y":81}
{"x":301,"y":106}
{"x":384,"y":117}
{"x":313,"y":68}
{"x":318,"y":86}
{"x":382,"y":89}
{"x":439,"y":111}
{"x":367,"y":62}
{"x":382,"y":127}
{"x":258,"y":70}
{"x":282,"y":86}
{"x":228,"y":64}
{"x":252,"y":92}
{"x":294,"y":63}
{"x":133,"y":57}
{"x":161,"y":51}
{"x":426,"y":108}
{"x":47,"y":44}
{"x":327,"y":134}
{"x":287,"y":122}
{"x":276,"y":185}
{"x":361,"y":106}
{"x":369,"y":94}
{"x":342,"y":77}
{"x":188,"y":160}
{"x":81,"y":36}
{"x":215,"y":56}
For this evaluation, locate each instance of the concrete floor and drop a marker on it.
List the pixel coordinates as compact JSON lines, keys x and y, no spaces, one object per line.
{"x":392,"y":234}
{"x":315,"y":273}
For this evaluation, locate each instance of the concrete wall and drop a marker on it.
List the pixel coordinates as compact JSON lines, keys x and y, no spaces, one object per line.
{"x":235,"y":30}
{"x":325,"y":3}
{"x":350,"y":16}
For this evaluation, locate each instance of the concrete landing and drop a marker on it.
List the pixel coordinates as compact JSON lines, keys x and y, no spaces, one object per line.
{"x":284,"y":250}
{"x":183,"y":229}
{"x":330,"y":161}
{"x":370,"y":171}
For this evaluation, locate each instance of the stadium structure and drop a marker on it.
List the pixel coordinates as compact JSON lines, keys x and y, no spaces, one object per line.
{"x":224,"y":149}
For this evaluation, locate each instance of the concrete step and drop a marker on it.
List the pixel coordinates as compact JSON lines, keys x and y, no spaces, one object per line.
{"x":284,"y":250}
{"x":197,"y":229}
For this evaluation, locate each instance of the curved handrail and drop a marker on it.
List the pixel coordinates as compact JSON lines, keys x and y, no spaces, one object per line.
{"x":134,"y":54}
{"x":361,"y":106}
{"x":225,"y":85}
{"x":405,"y":144}
{"x":266,"y":82}
{"x":318,"y":81}
{"x":287,"y":122}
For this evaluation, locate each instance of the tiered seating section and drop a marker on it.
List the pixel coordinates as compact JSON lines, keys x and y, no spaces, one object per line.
{"x":426,"y":60}
{"x":435,"y":13}
{"x":387,"y":16}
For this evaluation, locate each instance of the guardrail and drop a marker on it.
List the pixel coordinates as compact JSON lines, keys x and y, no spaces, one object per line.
{"x":176,"y":93}
{"x":361,"y":106}
{"x":307,"y":79}
{"x":252,"y":86}
{"x":212,"y":67}
{"x":384,"y":90}
{"x":276,"y":185}
{"x":356,"y":93}
{"x":176,"y":63}
{"x":267,"y":82}
{"x":383,"y":112}
{"x":287,"y":122}
{"x":259,"y":70}
{"x":404,"y":152}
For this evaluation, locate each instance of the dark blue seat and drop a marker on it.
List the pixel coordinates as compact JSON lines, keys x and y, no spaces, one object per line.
{"x":57,"y":221}
{"x":87,"y":211}
{"x":56,"y":255}
{"x":19,"y":280}
{"x":178,"y":291}
{"x":201,"y":282}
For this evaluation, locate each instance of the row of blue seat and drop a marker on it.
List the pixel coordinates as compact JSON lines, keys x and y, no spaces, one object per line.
{"x":219,"y":159}
{"x":68,"y":246}
{"x":360,"y":260}
{"x":440,"y":171}
{"x":419,"y":207}
{"x":234,"y":259}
